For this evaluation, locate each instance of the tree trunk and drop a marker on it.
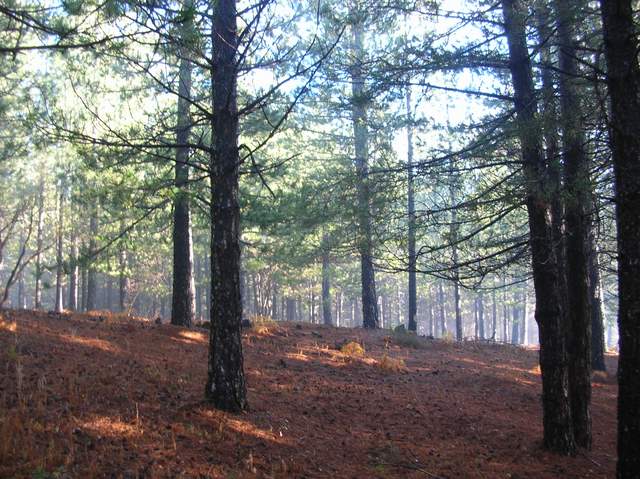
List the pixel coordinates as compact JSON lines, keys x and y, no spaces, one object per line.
{"x":274,"y":300}
{"x":453,"y":235}
{"x":481,"y":316}
{"x":361,"y":135}
{"x":597,"y":313}
{"x":578,"y":225}
{"x":494,"y":315}
{"x":83,"y":286}
{"x":183,"y":293}
{"x":525,"y":315}
{"x":326,"y":283}
{"x":411,"y":227}
{"x":443,"y":319}
{"x":558,"y":434}
{"x":73,"y":275}
{"x":123,"y":286}
{"x":225,"y":387}
{"x":92,"y":279}
{"x":59,"y":253}
{"x":39,"y":244}
{"x":623,"y":80}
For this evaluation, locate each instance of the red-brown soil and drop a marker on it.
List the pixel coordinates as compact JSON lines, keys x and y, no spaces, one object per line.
{"x":105,"y":396}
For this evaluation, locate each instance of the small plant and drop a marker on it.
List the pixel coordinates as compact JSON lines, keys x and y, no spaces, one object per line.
{"x":447,"y":337}
{"x":12,"y":353}
{"x":407,"y":339}
{"x":262,"y":319}
{"x":392,"y":365}
{"x":352,"y":349}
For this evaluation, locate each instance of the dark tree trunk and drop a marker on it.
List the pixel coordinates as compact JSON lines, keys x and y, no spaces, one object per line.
{"x":558,"y":434}
{"x":411,"y":227}
{"x":207,"y":288}
{"x":291,"y":309}
{"x":578,"y":225}
{"x":326,"y":283}
{"x":92,"y":278}
{"x":623,"y":80}
{"x":365,"y":244}
{"x":515,"y":325}
{"x":39,"y":244}
{"x":453,"y":235}
{"x":183,"y":295}
{"x":225,"y":387}
{"x":73,"y":275}
{"x":59,"y":253}
{"x":197,"y":273}
{"x":443,"y":318}
{"x":494,"y":315}
{"x":525,"y":308}
{"x":597,"y":315}
{"x":505,"y":312}
{"x":83,"y":286}
{"x":274,"y":300}
{"x":123,"y":286}
{"x":21,"y":292}
{"x":481,"y":316}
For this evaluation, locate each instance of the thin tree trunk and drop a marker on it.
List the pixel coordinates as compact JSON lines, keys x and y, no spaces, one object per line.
{"x":623,"y":80}
{"x":453,"y":234}
{"x":39,"y":243}
{"x":505,"y":312}
{"x":494,"y":314}
{"x":59,"y":258}
{"x":411,"y":227}
{"x":597,"y":313}
{"x":558,"y":433}
{"x":274,"y":300}
{"x":365,"y":244}
{"x":443,"y":319}
{"x":326,"y":283}
{"x":481,"y":316}
{"x":92,"y":279}
{"x":123,"y":286}
{"x":83,"y":286}
{"x":73,"y":275}
{"x":183,"y":294}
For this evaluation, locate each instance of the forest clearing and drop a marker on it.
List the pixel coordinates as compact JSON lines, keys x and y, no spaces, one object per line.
{"x":319,"y":238}
{"x":103,"y":395}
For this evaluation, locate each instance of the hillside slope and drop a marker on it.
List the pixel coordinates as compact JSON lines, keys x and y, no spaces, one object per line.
{"x":104,"y":396}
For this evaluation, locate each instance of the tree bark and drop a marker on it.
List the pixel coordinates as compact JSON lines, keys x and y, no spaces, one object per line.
{"x":92,"y":279}
{"x":183,"y":293}
{"x":73,"y":275}
{"x":597,"y":313}
{"x":623,"y":80}
{"x":326,"y":282}
{"x":558,"y":433}
{"x":123,"y":283}
{"x":39,"y":244}
{"x":226,"y":387}
{"x":481,"y":316}
{"x":59,"y":253}
{"x":443,"y":318}
{"x":361,"y":135}
{"x":411,"y":227}
{"x":578,"y":225}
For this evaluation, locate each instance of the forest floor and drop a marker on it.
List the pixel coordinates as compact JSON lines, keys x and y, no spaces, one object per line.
{"x":102,"y":395}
